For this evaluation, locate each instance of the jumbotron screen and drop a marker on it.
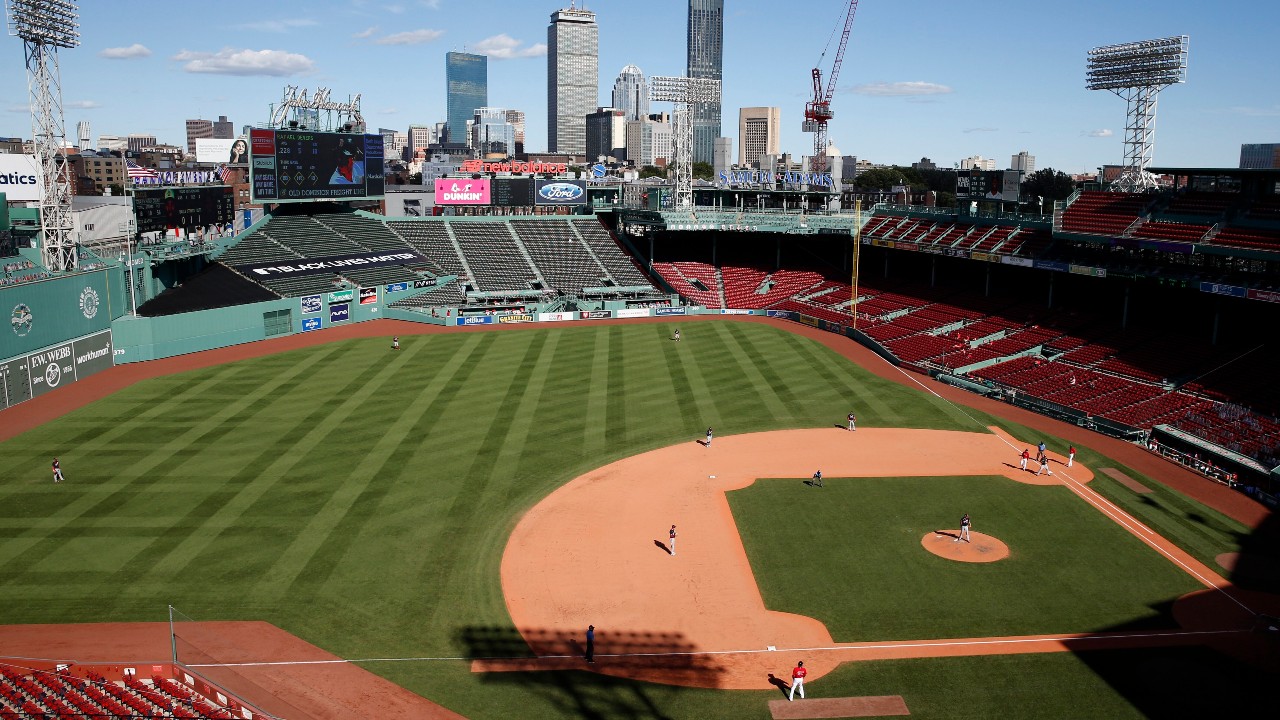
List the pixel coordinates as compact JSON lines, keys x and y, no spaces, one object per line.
{"x":300,"y":165}
{"x":183,"y":207}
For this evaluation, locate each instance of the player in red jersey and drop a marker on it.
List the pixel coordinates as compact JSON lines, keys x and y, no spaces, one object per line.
{"x":797,"y":680}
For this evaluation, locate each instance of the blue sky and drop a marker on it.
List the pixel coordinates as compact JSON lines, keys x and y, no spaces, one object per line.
{"x":944,"y":80}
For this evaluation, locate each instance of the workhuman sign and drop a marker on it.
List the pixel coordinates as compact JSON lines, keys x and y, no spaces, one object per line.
{"x":20,"y":177}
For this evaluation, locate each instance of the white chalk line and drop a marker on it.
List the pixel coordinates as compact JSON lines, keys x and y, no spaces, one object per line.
{"x":903,"y":645}
{"x":1095,"y":499}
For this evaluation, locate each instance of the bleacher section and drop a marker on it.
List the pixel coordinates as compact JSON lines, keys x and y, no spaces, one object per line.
{"x":620,"y":266}
{"x":449,"y":295}
{"x":432,"y":240}
{"x":495,"y":261}
{"x":561,"y":257}
{"x":1179,"y":232}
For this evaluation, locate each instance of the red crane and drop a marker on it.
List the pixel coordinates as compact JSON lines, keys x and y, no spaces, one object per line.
{"x":817,"y":112}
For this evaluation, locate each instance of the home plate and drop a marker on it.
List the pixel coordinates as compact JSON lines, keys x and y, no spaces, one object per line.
{"x":713,"y":477}
{"x":847,"y":707}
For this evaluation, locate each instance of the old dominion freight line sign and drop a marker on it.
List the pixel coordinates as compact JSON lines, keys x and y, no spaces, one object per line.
{"x":769,"y":178}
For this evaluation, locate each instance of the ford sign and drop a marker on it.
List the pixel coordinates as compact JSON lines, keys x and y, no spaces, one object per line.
{"x":552,"y":192}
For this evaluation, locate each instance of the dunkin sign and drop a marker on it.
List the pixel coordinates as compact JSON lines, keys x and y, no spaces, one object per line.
{"x":462,"y":191}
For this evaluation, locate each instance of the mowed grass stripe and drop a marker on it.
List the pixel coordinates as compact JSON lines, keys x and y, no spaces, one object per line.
{"x":96,"y":499}
{"x":674,"y":374}
{"x":373,"y":466}
{"x":615,"y":419}
{"x":597,"y":392}
{"x":687,"y":355}
{"x":279,"y":469}
{"x":747,"y":358}
{"x":394,"y":516}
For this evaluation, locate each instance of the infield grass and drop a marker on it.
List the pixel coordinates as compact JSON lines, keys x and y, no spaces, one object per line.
{"x":361,"y":498}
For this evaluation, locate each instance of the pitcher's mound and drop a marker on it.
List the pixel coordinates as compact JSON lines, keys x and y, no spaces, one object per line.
{"x":982,"y":549}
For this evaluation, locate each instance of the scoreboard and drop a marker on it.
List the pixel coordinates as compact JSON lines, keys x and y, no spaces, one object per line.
{"x":299,"y":165}
{"x":512,"y":192}
{"x":183,"y":207}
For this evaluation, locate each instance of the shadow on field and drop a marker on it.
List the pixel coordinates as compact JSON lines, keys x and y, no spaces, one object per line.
{"x":1234,"y":675}
{"x":550,"y":663}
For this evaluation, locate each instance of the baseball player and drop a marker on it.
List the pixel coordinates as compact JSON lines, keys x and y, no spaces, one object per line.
{"x":1025,"y":456}
{"x":797,"y":680}
{"x":57,"y":471}
{"x":964,"y":535}
{"x":591,"y":644}
{"x":395,"y":343}
{"x":817,"y":482}
{"x":708,"y":437}
{"x":853,"y":422}
{"x":676,"y":336}
{"x":1042,"y":447}
{"x":1044,"y":466}
{"x":1071,"y":456}
{"x":672,"y":546}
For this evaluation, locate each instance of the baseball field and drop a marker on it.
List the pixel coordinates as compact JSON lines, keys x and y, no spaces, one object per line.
{"x":378,"y":505}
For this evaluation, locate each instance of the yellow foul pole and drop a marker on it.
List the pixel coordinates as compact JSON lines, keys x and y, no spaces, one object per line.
{"x":857,"y":243}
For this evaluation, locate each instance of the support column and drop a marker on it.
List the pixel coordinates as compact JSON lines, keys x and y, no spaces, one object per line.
{"x":886,"y":264}
{"x":777,"y":262}
{"x":1051,"y":273}
{"x":651,"y":250}
{"x":1124,"y":312}
{"x":1217,"y":316}
{"x":987,"y":291}
{"x":713,"y":249}
{"x":933,"y":271}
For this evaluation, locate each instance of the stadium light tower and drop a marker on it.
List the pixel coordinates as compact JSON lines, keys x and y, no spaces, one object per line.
{"x":45,"y":26}
{"x":1137,"y":72}
{"x":684,"y":91}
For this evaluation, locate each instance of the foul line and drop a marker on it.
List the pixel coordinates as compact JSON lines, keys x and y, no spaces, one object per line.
{"x":1094,"y":498}
{"x":902,"y":645}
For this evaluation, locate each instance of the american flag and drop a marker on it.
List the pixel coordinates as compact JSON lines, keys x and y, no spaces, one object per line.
{"x":137,"y":171}
{"x":224,"y":173}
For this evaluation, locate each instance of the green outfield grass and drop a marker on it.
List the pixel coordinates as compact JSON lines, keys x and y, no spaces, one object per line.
{"x":361,"y":498}
{"x":849,"y":554}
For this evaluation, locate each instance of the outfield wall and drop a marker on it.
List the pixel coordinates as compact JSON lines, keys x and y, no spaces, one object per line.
{"x":47,"y":312}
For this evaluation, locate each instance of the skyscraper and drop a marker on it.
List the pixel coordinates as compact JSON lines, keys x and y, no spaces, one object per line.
{"x":223,"y":129}
{"x":491,"y":134}
{"x":706,"y":60}
{"x":84,"y":135}
{"x":607,"y":134}
{"x":516,"y":118}
{"x":466,"y":88}
{"x":758,"y":131}
{"x":573,"y":78}
{"x":631,"y":93}
{"x":1024,"y":162}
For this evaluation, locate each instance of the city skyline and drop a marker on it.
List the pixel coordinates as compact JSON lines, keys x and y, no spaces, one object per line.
{"x":951,"y":83}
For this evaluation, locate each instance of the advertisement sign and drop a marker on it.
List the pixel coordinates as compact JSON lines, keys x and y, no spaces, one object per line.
{"x":556,"y":316}
{"x":228,"y":151}
{"x":1053,"y":265}
{"x":633,"y":313}
{"x":397,"y":287}
{"x":331,"y":264}
{"x":1219,"y":289}
{"x":1264,"y":295}
{"x":419,"y":284}
{"x":475,"y":320}
{"x":670,"y":311}
{"x":1086,"y":270}
{"x":1019,"y":261}
{"x":312,"y":304}
{"x":342,"y":296}
{"x":560,"y":192}
{"x":595,"y":314}
{"x":729,"y":311}
{"x":299,"y":165}
{"x":515,"y":319}
{"x":20,"y":177}
{"x":63,"y":364}
{"x":462,"y":191}
{"x":339,"y":313}
{"x":368,"y":296}
{"x":309,"y":324}
{"x":525,"y":168}
{"x":780,"y":314}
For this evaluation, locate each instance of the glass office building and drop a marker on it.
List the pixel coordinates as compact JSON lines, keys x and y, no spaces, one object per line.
{"x":467,"y":88}
{"x":706,"y":60}
{"x":573,"y":85}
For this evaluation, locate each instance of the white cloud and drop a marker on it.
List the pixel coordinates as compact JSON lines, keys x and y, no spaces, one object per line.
{"x":229,"y":61}
{"x":135,"y":50}
{"x":389,"y":111}
{"x":411,"y":37}
{"x":366,"y":33}
{"x":82,"y":105}
{"x":505,"y":47}
{"x":394,"y":9}
{"x":433,"y":4}
{"x":277,"y":26}
{"x":1097,"y":133}
{"x":981,"y":129}
{"x":898,"y":89}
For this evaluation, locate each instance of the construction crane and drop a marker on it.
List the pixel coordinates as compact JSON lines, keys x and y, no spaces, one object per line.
{"x":817,"y":112}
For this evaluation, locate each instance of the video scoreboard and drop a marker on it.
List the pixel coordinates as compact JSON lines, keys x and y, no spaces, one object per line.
{"x":300,"y":165}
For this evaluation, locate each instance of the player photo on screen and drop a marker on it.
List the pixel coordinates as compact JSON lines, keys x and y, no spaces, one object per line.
{"x":350,"y":163}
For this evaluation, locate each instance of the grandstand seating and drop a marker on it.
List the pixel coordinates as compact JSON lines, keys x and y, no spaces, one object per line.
{"x":303,"y":285}
{"x":39,"y":694}
{"x":1180,"y":232}
{"x":1103,"y":213}
{"x":1201,"y":203}
{"x":258,"y":247}
{"x":432,"y":240}
{"x":1255,"y":238}
{"x":448,"y":295}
